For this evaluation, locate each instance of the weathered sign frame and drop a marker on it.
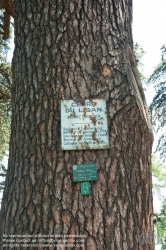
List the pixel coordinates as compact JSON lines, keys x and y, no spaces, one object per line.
{"x":84,"y":124}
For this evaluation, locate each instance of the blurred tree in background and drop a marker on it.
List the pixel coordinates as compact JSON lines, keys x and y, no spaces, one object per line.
{"x":158,"y":105}
{"x":159,"y":172}
{"x":159,"y":183}
{"x":5,"y":97}
{"x":139,"y":53}
{"x":5,"y":86}
{"x":160,"y":226}
{"x":158,"y":117}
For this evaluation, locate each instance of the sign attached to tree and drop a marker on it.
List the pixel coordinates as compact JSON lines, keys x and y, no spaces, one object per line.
{"x":84,"y":172}
{"x":85,"y":188}
{"x":84,"y":124}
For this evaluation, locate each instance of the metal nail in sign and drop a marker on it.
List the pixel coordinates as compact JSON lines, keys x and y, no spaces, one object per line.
{"x":84,"y":124}
{"x":84,"y":172}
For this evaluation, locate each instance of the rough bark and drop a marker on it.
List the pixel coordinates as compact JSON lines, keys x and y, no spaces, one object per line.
{"x":67,"y":50}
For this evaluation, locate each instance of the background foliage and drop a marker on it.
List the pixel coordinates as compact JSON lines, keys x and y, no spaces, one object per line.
{"x":5,"y":94}
{"x":158,"y":106}
{"x":5,"y":90}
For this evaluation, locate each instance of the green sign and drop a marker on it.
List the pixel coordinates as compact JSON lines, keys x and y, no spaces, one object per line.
{"x":84,"y":172}
{"x":85,"y":188}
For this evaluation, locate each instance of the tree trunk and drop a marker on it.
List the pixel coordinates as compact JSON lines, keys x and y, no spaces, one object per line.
{"x":78,"y":50}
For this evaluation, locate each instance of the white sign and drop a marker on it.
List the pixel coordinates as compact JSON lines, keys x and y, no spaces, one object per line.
{"x":84,"y":124}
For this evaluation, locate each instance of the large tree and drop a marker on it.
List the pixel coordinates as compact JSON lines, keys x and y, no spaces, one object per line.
{"x":78,"y":50}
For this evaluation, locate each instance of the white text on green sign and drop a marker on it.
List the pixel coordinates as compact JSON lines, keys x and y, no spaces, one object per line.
{"x":84,"y":172}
